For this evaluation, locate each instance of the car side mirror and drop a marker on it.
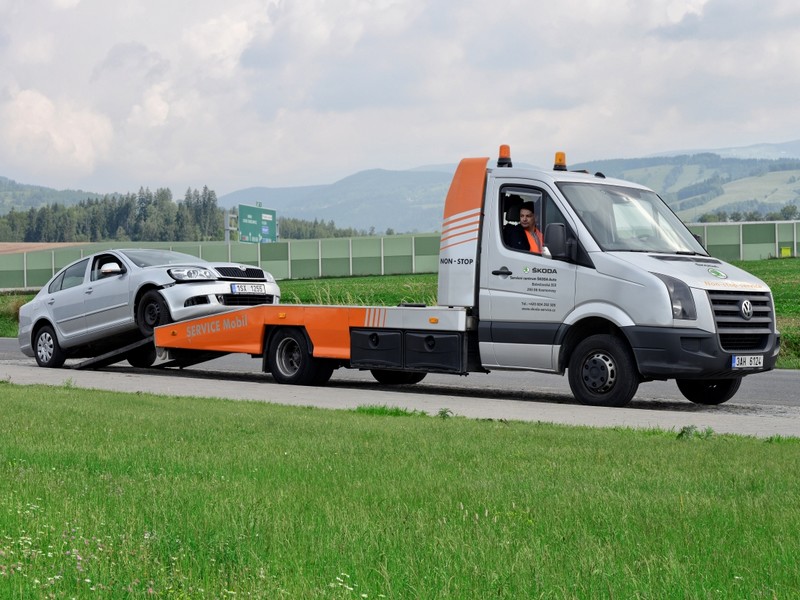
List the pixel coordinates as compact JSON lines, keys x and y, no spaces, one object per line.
{"x":555,"y":240}
{"x":109,"y":269}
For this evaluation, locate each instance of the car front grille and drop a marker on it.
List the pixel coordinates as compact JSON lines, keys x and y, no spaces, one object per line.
{"x":237,"y":273}
{"x":737,"y":333}
{"x":244,"y":299}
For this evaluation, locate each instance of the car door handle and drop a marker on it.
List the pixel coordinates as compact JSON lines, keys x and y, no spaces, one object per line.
{"x":502,"y":271}
{"x":51,"y":300}
{"x":88,"y":290}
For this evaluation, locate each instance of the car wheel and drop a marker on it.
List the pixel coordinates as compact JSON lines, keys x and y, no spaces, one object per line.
{"x":290,"y":360}
{"x":709,"y":391}
{"x":143,"y":356}
{"x":151,"y":313}
{"x":602,"y":372}
{"x":48,"y":352}
{"x":387,"y":377}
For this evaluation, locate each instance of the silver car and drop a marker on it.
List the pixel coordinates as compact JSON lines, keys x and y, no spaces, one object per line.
{"x":114,"y":298}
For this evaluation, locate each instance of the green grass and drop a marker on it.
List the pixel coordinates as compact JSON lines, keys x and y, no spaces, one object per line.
{"x":388,"y":290}
{"x":134,"y":496}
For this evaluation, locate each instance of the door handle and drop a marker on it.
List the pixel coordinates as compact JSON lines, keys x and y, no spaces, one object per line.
{"x":51,"y":300}
{"x":502,"y":271}
{"x":88,"y":290}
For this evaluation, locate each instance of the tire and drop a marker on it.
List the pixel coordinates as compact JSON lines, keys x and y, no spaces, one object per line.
{"x":602,"y":372}
{"x":142,"y":357}
{"x":152,"y":312}
{"x":290,"y":360}
{"x":709,"y":392}
{"x":387,"y":377}
{"x":47,"y":350}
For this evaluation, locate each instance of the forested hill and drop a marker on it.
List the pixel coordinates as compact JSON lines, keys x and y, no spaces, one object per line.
{"x":22,"y":197}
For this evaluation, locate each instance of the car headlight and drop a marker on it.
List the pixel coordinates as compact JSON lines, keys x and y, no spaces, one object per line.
{"x":191,"y":274}
{"x":680,"y":296}
{"x":268,"y":277}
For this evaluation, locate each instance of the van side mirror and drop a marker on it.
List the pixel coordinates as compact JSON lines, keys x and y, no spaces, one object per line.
{"x":555,"y":240}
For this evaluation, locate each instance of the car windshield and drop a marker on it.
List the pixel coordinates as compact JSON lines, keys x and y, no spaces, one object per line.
{"x":154,"y":258}
{"x":629,"y":219}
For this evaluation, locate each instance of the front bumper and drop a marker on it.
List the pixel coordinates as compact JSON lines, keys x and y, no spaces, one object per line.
{"x":665,"y":353}
{"x":199,"y":299}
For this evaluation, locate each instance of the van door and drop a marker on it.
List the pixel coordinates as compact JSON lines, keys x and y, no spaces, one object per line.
{"x":525,"y":295}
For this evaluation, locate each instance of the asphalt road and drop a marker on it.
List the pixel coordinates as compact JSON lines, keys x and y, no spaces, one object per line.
{"x":767,"y":404}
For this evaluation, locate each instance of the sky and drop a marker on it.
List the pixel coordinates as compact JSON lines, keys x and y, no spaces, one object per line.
{"x":112,"y":96}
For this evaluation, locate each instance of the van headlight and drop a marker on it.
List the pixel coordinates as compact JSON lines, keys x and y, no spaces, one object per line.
{"x":680,"y":296}
{"x":191,"y":274}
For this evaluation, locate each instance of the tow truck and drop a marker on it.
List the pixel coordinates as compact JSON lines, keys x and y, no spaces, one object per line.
{"x":621,"y":293}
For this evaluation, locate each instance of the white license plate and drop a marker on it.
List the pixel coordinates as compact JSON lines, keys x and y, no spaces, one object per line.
{"x":248,"y":288}
{"x":747,"y":361}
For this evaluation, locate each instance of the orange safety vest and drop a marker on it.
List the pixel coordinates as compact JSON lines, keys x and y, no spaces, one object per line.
{"x":535,"y":241}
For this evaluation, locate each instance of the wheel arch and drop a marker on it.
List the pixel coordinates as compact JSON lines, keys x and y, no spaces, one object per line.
{"x":147,"y":287}
{"x":584,"y":328}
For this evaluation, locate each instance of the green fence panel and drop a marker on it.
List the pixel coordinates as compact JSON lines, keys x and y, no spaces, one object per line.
{"x":427,"y":245}
{"x":12,"y":271}
{"x":397,"y":255}
{"x":335,"y":257}
{"x":758,"y":233}
{"x":367,"y":256}
{"x":244,"y":253}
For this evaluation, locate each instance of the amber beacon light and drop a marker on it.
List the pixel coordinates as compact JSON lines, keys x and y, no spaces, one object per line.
{"x":504,"y":156}
{"x":560,"y":163}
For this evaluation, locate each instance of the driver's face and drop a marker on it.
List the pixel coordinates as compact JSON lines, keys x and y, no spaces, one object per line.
{"x":526,"y":218}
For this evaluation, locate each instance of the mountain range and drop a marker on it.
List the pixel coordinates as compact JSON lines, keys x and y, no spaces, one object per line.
{"x":760,"y":178}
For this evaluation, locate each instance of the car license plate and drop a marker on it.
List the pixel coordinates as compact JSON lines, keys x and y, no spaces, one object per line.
{"x":248,"y":288}
{"x":747,"y":361}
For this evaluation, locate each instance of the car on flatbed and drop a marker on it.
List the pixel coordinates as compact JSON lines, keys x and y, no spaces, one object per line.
{"x":115,"y":297}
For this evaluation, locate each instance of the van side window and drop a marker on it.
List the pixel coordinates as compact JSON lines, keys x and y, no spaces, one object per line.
{"x":516,"y":206}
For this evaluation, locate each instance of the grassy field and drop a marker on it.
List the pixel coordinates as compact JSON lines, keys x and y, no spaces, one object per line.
{"x":115,"y":495}
{"x":783,"y":277}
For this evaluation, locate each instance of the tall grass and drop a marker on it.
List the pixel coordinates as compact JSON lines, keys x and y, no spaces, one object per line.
{"x":136,"y":496}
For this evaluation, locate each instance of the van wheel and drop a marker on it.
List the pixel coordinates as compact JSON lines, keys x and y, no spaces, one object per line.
{"x":602,"y":372}
{"x":387,"y":377}
{"x":142,"y":357}
{"x":709,"y":391}
{"x":48,"y":352}
{"x":290,"y":360}
{"x":151,"y":313}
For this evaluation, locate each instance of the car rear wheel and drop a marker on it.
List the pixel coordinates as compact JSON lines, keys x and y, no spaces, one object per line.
{"x":48,"y":352}
{"x":151,"y":313}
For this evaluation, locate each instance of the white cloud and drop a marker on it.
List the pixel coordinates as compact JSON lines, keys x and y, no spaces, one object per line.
{"x":289,"y":92}
{"x":52,"y":138}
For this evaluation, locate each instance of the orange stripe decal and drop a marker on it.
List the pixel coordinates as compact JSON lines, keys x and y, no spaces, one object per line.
{"x":466,"y":189}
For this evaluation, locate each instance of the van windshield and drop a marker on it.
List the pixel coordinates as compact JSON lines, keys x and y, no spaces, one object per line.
{"x":629,"y":219}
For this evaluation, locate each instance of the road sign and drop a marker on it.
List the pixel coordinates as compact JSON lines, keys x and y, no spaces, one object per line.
{"x":257,"y":225}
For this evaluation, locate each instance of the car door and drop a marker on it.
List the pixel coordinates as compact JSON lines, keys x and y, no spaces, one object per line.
{"x":108,"y":303}
{"x":65,"y":304}
{"x":525,"y":296}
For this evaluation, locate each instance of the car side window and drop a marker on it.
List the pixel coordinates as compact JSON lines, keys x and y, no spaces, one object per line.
{"x":55,"y":285}
{"x":73,"y":276}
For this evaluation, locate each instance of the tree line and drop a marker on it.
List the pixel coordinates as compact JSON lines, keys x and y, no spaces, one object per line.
{"x":145,"y":216}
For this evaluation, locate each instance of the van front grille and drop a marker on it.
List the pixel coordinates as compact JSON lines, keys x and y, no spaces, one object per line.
{"x":737,"y":332}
